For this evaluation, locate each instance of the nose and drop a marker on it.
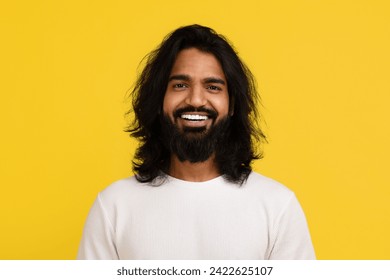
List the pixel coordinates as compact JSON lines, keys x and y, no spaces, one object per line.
{"x":196,"y":97}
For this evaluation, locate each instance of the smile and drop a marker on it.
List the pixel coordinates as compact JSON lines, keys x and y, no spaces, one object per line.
{"x":194,"y":117}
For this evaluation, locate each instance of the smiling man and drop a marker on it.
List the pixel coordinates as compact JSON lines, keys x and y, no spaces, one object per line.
{"x":194,"y":195}
{"x":196,"y":110}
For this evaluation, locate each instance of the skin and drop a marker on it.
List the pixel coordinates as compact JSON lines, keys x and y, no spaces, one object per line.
{"x":196,"y":79}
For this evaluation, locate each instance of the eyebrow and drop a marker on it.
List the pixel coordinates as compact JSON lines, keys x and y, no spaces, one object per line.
{"x":180,"y":77}
{"x":213,"y":80}
{"x":210,"y":80}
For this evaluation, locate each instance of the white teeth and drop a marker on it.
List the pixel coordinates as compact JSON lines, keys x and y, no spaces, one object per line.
{"x":194,"y":117}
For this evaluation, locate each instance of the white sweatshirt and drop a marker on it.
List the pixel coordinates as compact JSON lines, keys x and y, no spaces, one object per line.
{"x":261,"y":219}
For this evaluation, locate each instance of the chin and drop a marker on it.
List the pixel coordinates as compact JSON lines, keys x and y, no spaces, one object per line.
{"x":194,"y":130}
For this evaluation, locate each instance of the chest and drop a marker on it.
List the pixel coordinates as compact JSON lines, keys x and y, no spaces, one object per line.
{"x":192,"y":227}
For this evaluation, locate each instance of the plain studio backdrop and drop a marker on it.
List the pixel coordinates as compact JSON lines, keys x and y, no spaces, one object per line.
{"x":322,"y":69}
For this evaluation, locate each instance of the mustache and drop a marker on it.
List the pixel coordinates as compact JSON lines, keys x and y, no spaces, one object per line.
{"x":189,"y":109}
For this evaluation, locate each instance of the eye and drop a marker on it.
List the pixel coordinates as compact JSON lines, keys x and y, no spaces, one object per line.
{"x":214,"y":88}
{"x":180,"y":86}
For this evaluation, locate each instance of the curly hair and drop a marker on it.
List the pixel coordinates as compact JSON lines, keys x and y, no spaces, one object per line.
{"x":234,"y":157}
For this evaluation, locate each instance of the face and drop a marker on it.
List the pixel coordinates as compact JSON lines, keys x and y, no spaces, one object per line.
{"x":197,"y":96}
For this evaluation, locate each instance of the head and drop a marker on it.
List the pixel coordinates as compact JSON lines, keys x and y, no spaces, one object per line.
{"x":195,"y":98}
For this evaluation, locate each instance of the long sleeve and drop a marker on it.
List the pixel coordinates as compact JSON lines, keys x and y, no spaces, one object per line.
{"x":196,"y":220}
{"x":98,"y":236}
{"x":292,"y":238}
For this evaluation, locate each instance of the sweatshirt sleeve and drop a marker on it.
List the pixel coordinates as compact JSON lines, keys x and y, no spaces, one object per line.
{"x":97,"y":242}
{"x":292,"y":238}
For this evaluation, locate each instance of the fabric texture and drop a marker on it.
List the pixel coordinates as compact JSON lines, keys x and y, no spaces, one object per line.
{"x":261,"y":219}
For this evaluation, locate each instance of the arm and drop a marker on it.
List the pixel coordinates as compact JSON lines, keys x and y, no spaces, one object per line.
{"x":98,"y":236}
{"x":292,"y":238}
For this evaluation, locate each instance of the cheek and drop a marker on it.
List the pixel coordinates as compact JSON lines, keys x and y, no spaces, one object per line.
{"x":221,"y":104}
{"x":169,"y":103}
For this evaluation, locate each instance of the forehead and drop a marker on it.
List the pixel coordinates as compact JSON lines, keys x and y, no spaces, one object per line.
{"x":197,"y":63}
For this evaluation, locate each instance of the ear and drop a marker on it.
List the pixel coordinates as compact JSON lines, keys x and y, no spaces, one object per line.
{"x":231,"y":106}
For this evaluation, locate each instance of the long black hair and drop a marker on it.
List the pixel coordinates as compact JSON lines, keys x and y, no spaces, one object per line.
{"x":234,"y":157}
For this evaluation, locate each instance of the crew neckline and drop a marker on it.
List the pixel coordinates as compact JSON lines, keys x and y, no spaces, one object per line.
{"x":212,"y":181}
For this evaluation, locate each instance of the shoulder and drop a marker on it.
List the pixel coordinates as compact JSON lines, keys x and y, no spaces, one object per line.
{"x":262,"y":183}
{"x":119,"y":187}
{"x":267,"y":190}
{"x":122,"y":190}
{"x":121,"y":183}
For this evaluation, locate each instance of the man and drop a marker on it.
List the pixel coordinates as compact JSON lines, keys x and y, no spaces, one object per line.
{"x":194,"y":195}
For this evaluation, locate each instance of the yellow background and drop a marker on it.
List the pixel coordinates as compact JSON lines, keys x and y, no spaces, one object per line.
{"x":322,"y":69}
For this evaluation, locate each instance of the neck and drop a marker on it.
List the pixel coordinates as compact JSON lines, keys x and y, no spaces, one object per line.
{"x":194,"y":172}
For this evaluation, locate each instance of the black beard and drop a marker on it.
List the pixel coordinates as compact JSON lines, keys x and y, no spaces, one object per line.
{"x":193,"y":144}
